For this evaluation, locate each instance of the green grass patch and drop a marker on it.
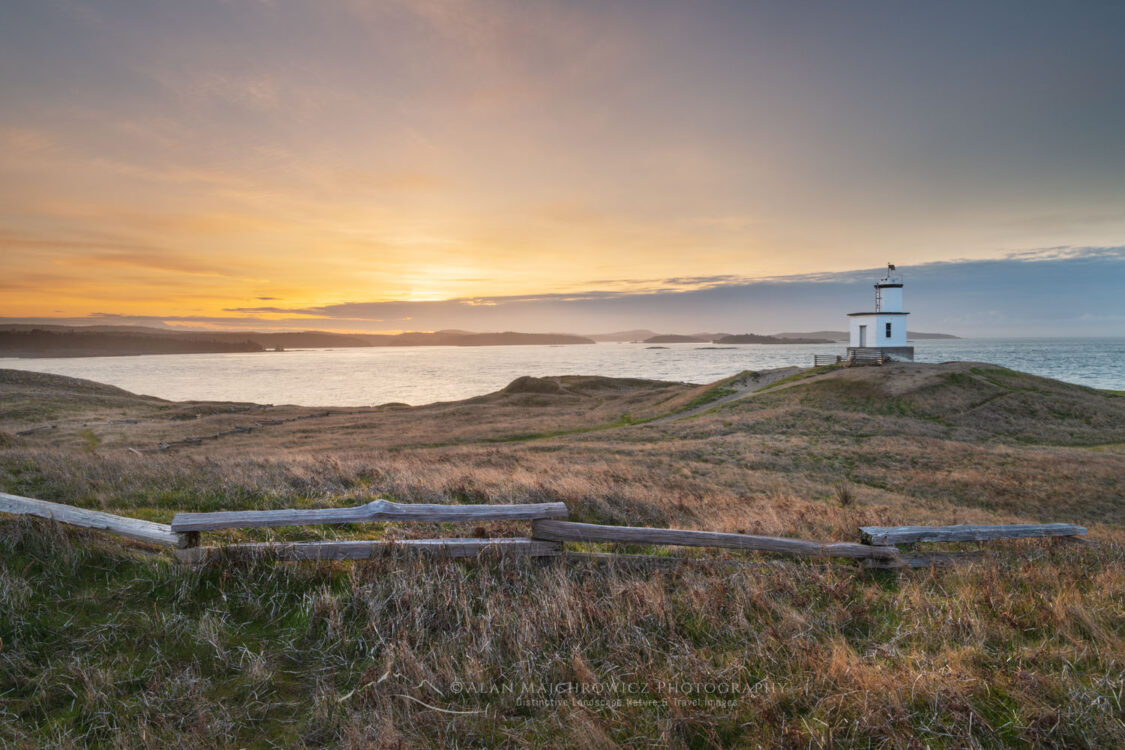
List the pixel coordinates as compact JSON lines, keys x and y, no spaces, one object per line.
{"x":809,"y":373}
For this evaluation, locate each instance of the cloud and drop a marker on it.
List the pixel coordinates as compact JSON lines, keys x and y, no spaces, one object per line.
{"x":158,"y":260}
{"x":25,"y":141}
{"x":99,"y":250}
{"x":1050,"y":291}
{"x":84,"y":241}
{"x":1064,"y":252}
{"x":318,"y":312}
{"x":482,"y":152}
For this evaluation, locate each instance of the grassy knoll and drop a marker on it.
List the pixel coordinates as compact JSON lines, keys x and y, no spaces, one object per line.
{"x":104,"y":645}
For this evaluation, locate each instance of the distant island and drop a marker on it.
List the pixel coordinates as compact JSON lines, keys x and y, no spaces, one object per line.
{"x":837,"y":336}
{"x":753,"y":338}
{"x":462,"y":338}
{"x":642,"y":335}
{"x":675,"y":339}
{"x":21,"y":340}
{"x":646,"y":336}
{"x":39,"y":342}
{"x":727,"y":338}
{"x":638,"y":334}
{"x":118,"y":341}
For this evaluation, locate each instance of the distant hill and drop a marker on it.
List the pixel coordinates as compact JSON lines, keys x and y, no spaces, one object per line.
{"x":37,"y":342}
{"x":753,"y":338}
{"x":709,"y":336}
{"x":301,"y":339}
{"x":115,"y":341}
{"x":807,"y":337}
{"x":835,"y":336}
{"x":645,"y":335}
{"x":638,"y":334}
{"x":507,"y":338}
{"x":675,"y":339}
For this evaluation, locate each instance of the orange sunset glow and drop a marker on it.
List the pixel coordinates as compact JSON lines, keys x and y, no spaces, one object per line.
{"x":174,"y":163}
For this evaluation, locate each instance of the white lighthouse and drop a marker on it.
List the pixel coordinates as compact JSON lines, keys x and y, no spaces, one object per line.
{"x":883,"y":330}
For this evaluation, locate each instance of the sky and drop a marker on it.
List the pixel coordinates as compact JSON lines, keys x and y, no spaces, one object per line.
{"x":562,"y":166}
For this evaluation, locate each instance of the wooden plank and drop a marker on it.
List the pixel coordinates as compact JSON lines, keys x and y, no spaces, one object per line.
{"x":133,"y":528}
{"x":648,"y":562}
{"x":565,"y":531}
{"x":883,"y":535}
{"x":362,"y":550}
{"x":377,"y":510}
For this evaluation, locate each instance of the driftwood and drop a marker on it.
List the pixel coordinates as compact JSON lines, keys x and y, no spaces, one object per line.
{"x":133,"y":528}
{"x":883,"y":535}
{"x":563,"y":531}
{"x":378,"y":510}
{"x":362,"y":550}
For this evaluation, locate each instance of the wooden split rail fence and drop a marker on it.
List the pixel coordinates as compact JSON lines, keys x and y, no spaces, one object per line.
{"x":378,"y":510}
{"x":160,"y":534}
{"x":878,"y":546}
{"x":866,"y":357}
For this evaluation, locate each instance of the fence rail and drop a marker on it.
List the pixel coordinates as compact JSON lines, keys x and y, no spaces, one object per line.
{"x":377,"y":510}
{"x":131,"y":528}
{"x":565,"y":531}
{"x":877,"y":547}
{"x":363,"y":550}
{"x":965,"y":532}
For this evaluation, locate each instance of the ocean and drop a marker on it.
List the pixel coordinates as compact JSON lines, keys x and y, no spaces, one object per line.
{"x":420,"y":375}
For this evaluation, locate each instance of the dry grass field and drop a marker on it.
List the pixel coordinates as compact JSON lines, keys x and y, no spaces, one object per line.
{"x":113,"y":646}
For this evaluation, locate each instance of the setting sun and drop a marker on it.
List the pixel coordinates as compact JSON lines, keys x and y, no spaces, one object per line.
{"x":156,"y":164}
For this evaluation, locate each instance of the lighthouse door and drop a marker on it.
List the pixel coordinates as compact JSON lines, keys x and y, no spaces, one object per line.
{"x":863,"y":335}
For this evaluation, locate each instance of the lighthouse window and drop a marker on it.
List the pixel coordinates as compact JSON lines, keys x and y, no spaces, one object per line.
{"x":888,"y":330}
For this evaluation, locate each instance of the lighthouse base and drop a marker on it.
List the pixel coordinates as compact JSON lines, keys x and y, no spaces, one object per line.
{"x":880,"y":354}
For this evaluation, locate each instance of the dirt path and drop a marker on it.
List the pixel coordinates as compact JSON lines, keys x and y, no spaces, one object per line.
{"x":745,"y":385}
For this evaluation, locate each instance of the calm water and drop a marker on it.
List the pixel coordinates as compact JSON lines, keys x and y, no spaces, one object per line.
{"x":419,"y":375}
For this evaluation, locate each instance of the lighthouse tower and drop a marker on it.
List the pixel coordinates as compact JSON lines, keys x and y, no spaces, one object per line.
{"x":883,"y":330}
